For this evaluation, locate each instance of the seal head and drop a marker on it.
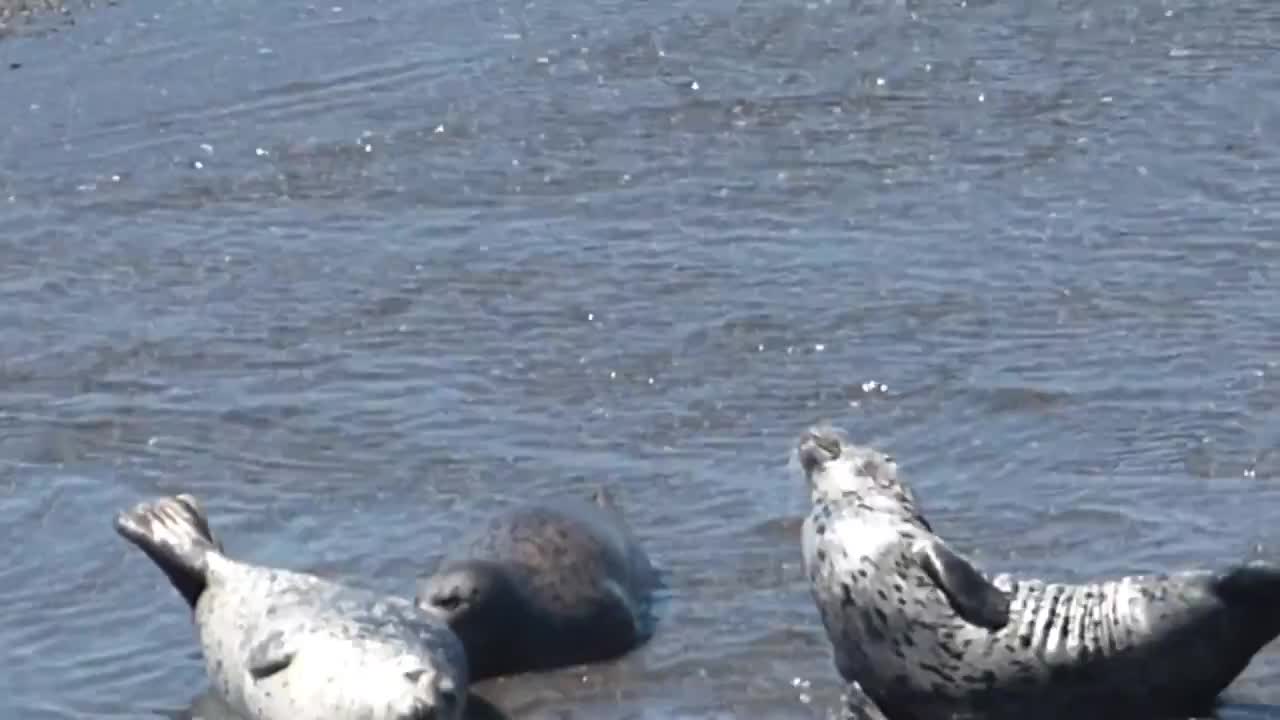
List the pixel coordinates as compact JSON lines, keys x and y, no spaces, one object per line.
{"x":555,"y":583}
{"x":486,"y":607}
{"x":839,"y":470}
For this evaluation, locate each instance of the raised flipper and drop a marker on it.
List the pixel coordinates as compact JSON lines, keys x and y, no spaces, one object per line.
{"x":858,"y":705}
{"x":174,"y":533}
{"x":270,"y":655}
{"x":972,"y":596}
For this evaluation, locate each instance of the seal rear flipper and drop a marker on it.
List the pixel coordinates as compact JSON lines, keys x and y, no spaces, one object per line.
{"x":270,"y":655}
{"x":973,"y":597}
{"x":174,"y":533}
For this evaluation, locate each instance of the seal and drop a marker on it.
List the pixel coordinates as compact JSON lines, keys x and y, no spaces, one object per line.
{"x":921,"y":633}
{"x":282,"y":645}
{"x":551,"y":584}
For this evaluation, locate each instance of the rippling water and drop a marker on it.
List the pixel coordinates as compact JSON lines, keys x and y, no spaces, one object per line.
{"x":360,"y":275}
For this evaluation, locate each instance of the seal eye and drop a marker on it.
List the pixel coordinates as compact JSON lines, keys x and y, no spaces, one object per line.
{"x":447,"y":602}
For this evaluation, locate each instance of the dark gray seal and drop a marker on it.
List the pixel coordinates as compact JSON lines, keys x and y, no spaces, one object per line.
{"x":543,"y":586}
{"x":281,"y":645}
{"x":921,"y":634}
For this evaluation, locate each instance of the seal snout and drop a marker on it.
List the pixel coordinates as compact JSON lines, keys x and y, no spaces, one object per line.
{"x":439,"y":699}
{"x":450,"y":593}
{"x":817,"y":447}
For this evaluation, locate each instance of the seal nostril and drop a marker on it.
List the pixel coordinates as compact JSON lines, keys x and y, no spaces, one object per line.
{"x":818,"y":448}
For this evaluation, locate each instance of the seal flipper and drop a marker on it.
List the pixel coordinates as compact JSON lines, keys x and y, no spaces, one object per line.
{"x":973,"y":597}
{"x":270,"y":655}
{"x":174,"y":533}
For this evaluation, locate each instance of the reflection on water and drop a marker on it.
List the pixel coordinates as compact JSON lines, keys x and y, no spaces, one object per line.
{"x":359,"y":276}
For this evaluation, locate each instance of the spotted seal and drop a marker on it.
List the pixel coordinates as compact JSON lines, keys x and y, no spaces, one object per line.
{"x":282,"y":645}
{"x":920,"y":633}
{"x":551,"y":584}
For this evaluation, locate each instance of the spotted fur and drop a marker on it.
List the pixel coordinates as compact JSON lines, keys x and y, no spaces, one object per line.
{"x":281,"y":645}
{"x":1148,"y":646}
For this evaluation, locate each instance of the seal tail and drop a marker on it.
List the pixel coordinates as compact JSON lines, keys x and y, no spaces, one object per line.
{"x":174,"y":533}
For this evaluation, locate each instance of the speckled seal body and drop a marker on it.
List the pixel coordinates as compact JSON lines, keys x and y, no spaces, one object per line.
{"x":555,"y":583}
{"x":282,"y":645}
{"x":921,"y":634}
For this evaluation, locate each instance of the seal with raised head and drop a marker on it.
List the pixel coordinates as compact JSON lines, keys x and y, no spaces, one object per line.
{"x":282,"y":645}
{"x":921,"y":633}
{"x":555,"y":583}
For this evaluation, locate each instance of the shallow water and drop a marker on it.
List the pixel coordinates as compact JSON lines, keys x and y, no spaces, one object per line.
{"x":358,"y":276}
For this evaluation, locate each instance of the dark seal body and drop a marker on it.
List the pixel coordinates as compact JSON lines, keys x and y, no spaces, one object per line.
{"x":923,"y":635}
{"x":282,"y":645}
{"x":557,"y":583}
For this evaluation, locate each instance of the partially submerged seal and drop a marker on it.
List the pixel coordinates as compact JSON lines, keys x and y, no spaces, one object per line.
{"x":921,"y":633}
{"x":281,"y":645}
{"x":557,"y":583}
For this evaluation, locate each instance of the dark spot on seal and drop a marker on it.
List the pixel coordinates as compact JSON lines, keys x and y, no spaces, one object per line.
{"x":937,"y":671}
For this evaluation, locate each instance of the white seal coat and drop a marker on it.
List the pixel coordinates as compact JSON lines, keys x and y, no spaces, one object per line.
{"x":921,"y":634}
{"x":281,"y":645}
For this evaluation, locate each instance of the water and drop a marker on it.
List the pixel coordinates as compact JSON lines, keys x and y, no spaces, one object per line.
{"x":360,"y":275}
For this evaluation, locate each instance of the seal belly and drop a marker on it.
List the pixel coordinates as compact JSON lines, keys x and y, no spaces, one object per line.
{"x":1122,"y":645}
